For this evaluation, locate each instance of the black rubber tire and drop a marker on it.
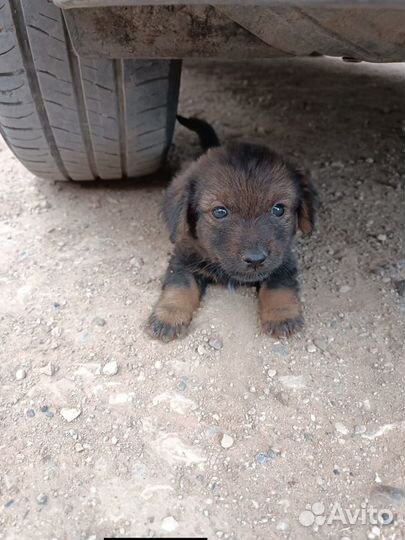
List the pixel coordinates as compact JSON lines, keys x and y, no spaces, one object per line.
{"x":67,"y":118}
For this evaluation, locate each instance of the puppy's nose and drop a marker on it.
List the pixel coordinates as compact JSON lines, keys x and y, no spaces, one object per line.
{"x":254,"y":257}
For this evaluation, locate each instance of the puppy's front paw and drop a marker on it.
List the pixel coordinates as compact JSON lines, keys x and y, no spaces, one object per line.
{"x":281,"y":329}
{"x":280,"y":311}
{"x":167,"y":324}
{"x":173,"y":312}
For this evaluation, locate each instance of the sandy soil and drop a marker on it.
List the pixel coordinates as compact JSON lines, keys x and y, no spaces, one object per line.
{"x":227,"y":433}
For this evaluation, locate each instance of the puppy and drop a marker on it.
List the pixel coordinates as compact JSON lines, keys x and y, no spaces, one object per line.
{"x":232,"y":216}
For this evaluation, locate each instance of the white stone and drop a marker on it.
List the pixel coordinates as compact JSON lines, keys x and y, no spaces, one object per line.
{"x":20,"y":374}
{"x":70,"y":414}
{"x":341,"y":428}
{"x":110,"y":368}
{"x":169,"y":524}
{"x":226,"y":441}
{"x":345,"y":289}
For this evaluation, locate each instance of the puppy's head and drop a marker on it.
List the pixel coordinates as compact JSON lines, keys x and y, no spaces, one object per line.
{"x":241,"y":205}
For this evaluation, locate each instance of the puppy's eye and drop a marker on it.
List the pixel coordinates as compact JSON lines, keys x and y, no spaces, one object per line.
{"x":219,"y":212}
{"x":278,"y":210}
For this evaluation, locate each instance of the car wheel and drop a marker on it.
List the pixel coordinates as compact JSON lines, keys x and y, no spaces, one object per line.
{"x":71,"y":118}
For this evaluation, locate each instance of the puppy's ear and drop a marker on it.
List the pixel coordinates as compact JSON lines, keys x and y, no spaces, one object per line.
{"x":308,"y":205}
{"x":179,"y":207}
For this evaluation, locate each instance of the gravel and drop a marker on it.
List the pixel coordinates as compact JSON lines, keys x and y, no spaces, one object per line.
{"x":400,"y":287}
{"x":216,"y":343}
{"x":110,"y":368}
{"x":227,"y":441}
{"x":169,"y":524}
{"x":70,"y":414}
{"x":20,"y":374}
{"x":341,"y":428}
{"x":42,"y":499}
{"x":98,"y":321}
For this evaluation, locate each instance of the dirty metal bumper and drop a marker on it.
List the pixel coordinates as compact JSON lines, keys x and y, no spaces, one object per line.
{"x":366,"y":29}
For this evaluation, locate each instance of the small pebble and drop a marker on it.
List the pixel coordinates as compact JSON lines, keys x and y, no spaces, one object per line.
{"x":181,"y":385}
{"x":79,"y":447}
{"x":359,"y":430}
{"x":321,"y":343}
{"x":169,"y":524}
{"x":114,"y":440}
{"x":273,"y":453}
{"x":70,"y":414}
{"x":137,"y":262}
{"x":20,"y":374}
{"x":400,"y":287}
{"x":369,"y":160}
{"x":283,"y":398}
{"x":271,"y":373}
{"x":311,"y":348}
{"x":282,"y":526}
{"x":30,"y":413}
{"x":42,"y":498}
{"x":44,"y":408}
{"x":367,"y":404}
{"x":8,"y":503}
{"x":56,"y":331}
{"x":345,"y":289}
{"x":98,"y":321}
{"x":216,"y":343}
{"x":110,"y":368}
{"x":341,"y":428}
{"x":226,"y":441}
{"x":48,"y":370}
{"x":382,"y":237}
{"x":264,"y":457}
{"x":201,"y":350}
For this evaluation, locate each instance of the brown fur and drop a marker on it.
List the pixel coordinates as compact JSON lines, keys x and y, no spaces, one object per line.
{"x":280,"y":311}
{"x":174,"y":311}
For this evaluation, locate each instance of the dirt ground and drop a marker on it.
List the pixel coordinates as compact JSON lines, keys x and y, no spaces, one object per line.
{"x":228,"y":433}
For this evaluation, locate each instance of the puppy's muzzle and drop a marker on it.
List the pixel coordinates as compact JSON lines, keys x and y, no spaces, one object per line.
{"x":254,"y":258}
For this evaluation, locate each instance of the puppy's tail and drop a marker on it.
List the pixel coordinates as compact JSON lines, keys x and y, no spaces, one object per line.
{"x":206,"y":133}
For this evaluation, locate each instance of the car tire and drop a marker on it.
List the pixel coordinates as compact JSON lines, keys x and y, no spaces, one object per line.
{"x":71,"y":118}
